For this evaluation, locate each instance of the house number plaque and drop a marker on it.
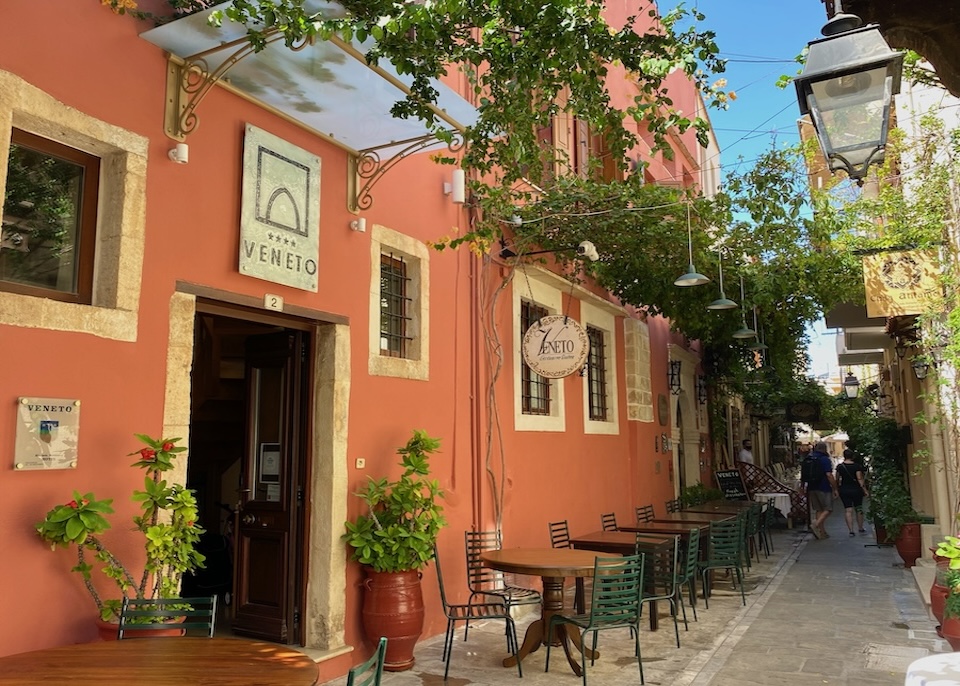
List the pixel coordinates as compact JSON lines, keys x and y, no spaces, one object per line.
{"x":47,"y":433}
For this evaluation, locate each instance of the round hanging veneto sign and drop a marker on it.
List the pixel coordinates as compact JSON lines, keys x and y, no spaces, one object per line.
{"x":555,"y":346}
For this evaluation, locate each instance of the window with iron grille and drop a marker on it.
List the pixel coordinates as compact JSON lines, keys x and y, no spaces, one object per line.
{"x":394,"y":306}
{"x":597,"y":375}
{"x":48,"y":236}
{"x":534,"y":389}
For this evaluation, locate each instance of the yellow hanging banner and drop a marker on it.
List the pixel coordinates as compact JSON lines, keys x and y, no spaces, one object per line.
{"x":899,"y":283}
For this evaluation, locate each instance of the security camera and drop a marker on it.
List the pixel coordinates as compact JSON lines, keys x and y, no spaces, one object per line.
{"x":588,"y":250}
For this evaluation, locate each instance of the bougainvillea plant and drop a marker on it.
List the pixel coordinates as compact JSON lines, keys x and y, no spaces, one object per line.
{"x":167,"y":521}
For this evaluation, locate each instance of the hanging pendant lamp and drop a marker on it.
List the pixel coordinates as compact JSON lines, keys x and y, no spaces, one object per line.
{"x":744,"y":331}
{"x":758,"y":345}
{"x":723,"y":302}
{"x":692,"y":277}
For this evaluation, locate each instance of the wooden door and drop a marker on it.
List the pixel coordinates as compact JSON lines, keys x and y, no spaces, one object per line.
{"x":266,"y":584}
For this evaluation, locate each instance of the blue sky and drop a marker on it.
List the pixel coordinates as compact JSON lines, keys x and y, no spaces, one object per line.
{"x":760,"y":40}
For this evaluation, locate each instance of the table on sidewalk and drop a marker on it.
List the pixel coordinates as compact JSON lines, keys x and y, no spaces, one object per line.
{"x":733,"y":507}
{"x":626,"y":543}
{"x":177,"y":660}
{"x":695,"y":517}
{"x":552,"y":565}
{"x":934,"y":670}
{"x":781,"y":501}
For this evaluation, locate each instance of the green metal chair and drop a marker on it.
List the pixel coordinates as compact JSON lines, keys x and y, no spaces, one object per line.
{"x":472,"y":611}
{"x":560,"y":538}
{"x":725,"y":552}
{"x":608,"y":521}
{"x":645,"y":513}
{"x":155,"y":617}
{"x":661,"y":579}
{"x":369,"y":673}
{"x":767,"y":522}
{"x":672,"y":505}
{"x":751,"y":533}
{"x":687,"y":574}
{"x":485,"y":583}
{"x":615,"y":604}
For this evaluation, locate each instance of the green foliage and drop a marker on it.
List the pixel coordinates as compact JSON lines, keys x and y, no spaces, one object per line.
{"x":697,"y":494}
{"x":403,"y":517}
{"x":167,"y":522}
{"x":949,"y":548}
{"x":951,"y":607}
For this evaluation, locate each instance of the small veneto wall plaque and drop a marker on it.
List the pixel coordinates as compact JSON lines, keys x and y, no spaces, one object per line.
{"x":555,"y":346}
{"x":47,"y":433}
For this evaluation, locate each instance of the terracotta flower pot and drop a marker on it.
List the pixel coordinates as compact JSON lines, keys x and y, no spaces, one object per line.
{"x":108,"y":631}
{"x":908,"y":543}
{"x":393,"y":607}
{"x":950,"y":630}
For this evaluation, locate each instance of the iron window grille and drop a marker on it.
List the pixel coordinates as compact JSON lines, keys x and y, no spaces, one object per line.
{"x":597,"y":375}
{"x":394,"y":307}
{"x":534,"y":389}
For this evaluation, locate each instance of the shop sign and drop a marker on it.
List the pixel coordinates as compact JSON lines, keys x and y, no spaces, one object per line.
{"x":279,"y":211}
{"x":48,"y":431}
{"x":899,"y":283}
{"x":555,"y":346}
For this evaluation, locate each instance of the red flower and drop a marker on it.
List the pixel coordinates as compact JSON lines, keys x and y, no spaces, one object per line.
{"x":189,"y":523}
{"x":168,"y":446}
{"x":73,"y":504}
{"x":148,"y":454}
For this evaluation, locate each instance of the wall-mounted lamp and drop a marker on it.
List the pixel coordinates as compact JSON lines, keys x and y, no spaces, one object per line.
{"x":847,"y":85}
{"x":851,"y":385}
{"x":179,"y":153}
{"x":701,"y":389}
{"x":673,"y":376}
{"x":900,"y":348}
{"x":456,"y":188}
{"x":359,"y":224}
{"x":920,"y":368}
{"x":585,"y":249}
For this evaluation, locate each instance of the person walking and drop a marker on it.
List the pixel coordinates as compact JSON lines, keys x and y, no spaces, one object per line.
{"x":816,"y":475}
{"x":746,"y":452}
{"x":852,"y":488}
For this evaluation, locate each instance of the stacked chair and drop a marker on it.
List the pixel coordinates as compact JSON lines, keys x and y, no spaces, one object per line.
{"x":687,"y":574}
{"x":645,"y":513}
{"x":767,"y":521}
{"x":661,"y":580}
{"x":560,"y":538}
{"x":615,"y":604}
{"x":486,"y":583}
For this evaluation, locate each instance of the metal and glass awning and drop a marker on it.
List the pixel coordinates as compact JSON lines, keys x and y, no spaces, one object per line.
{"x":325,"y":86}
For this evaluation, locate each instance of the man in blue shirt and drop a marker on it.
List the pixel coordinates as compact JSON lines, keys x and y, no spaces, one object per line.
{"x":821,"y":487}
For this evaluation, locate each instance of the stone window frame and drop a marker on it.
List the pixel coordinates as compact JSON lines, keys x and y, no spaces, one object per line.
{"x":416,"y":256}
{"x":533,"y":286}
{"x":121,"y":214}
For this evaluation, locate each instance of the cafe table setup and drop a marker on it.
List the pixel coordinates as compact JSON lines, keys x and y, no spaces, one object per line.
{"x":172,"y":661}
{"x":781,"y":501}
{"x":695,"y":517}
{"x":552,"y":565}
{"x":725,"y":506}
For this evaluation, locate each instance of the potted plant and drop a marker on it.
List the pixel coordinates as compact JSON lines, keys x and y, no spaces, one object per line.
{"x":947,"y":556}
{"x":394,"y":539}
{"x":167,"y":523}
{"x":892,"y":509}
{"x":950,"y":626}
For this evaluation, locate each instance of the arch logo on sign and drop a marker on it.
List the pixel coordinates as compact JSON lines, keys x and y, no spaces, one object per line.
{"x":556,"y":346}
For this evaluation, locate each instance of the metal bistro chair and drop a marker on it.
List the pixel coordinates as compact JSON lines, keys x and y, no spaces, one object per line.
{"x":766,"y":526}
{"x":615,"y":604}
{"x":608,"y":521}
{"x":369,"y":673}
{"x":560,"y":538}
{"x":645,"y":513}
{"x":150,"y":618}
{"x":661,"y":579}
{"x":464,"y":613}
{"x":751,"y":533}
{"x":725,"y":552}
{"x":486,"y":582}
{"x":687,"y":574}
{"x":672,"y":505}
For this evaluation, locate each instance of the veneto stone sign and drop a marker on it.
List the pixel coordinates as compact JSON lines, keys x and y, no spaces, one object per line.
{"x":279,"y":211}
{"x":48,"y":431}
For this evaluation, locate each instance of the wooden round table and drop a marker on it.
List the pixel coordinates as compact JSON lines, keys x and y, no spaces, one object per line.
{"x":552,"y":565}
{"x":163,"y":662}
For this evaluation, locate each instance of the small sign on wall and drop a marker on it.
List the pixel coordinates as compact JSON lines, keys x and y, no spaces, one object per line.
{"x":48,"y":430}
{"x":555,"y":346}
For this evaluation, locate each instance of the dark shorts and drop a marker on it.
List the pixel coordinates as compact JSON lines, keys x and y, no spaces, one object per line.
{"x":852,"y":498}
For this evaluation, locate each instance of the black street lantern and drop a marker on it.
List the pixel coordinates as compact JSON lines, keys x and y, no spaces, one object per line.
{"x":846,"y":87}
{"x":851,"y":386}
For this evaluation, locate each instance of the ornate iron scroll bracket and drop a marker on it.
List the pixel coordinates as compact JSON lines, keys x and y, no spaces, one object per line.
{"x":367,"y":167}
{"x":190,"y":79}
